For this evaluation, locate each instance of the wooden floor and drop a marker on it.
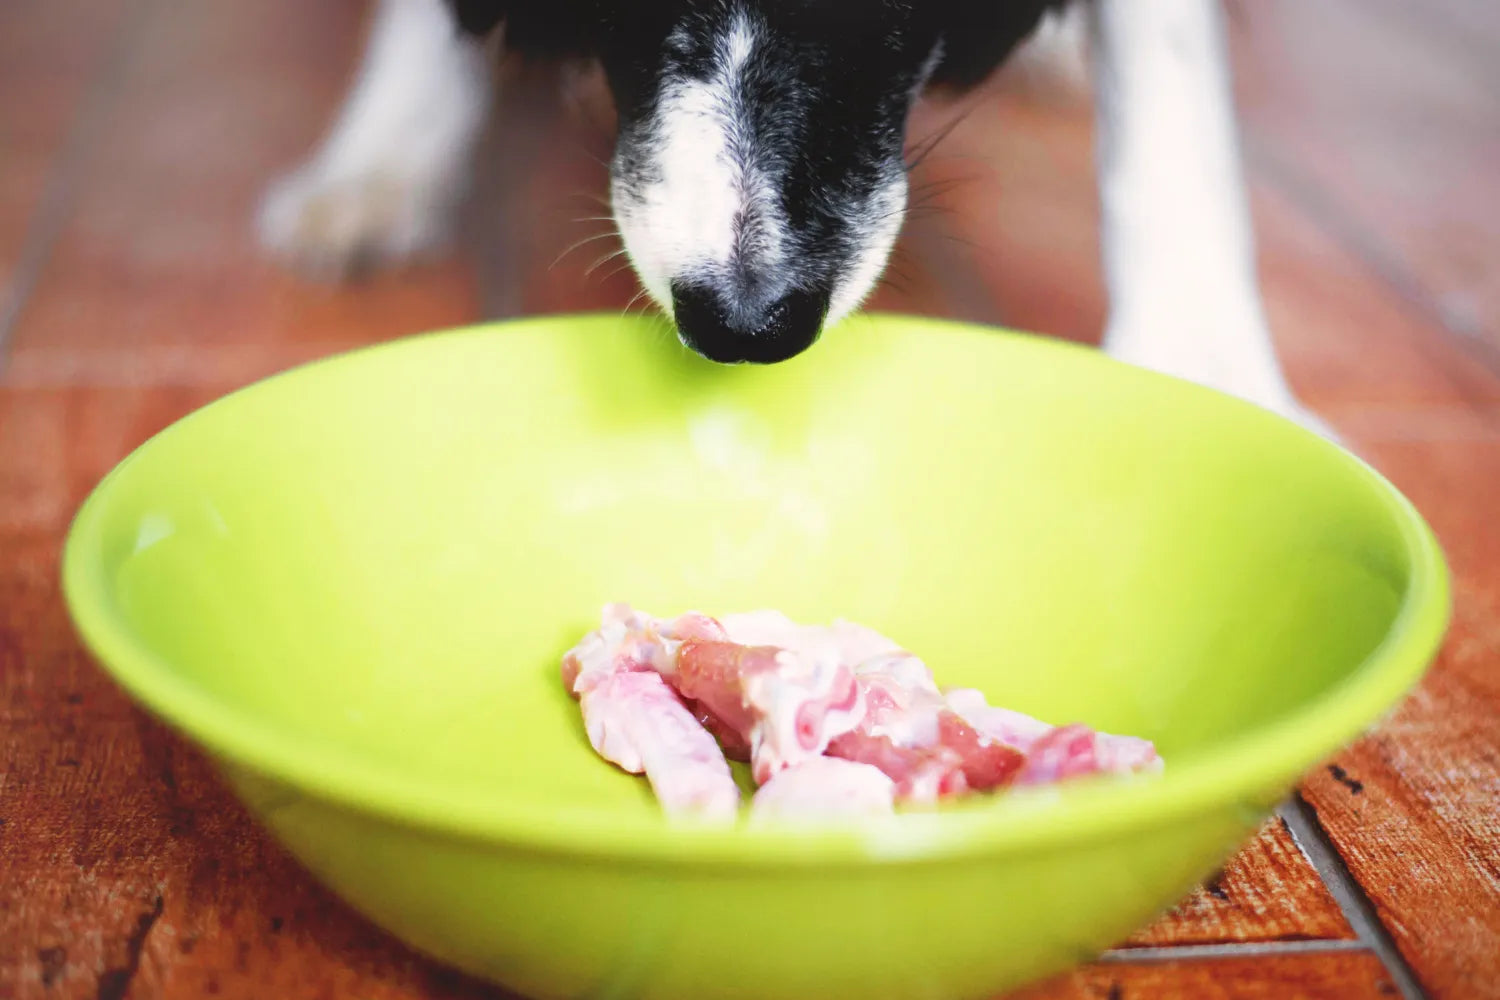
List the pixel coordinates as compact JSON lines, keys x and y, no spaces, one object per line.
{"x":135,"y":136}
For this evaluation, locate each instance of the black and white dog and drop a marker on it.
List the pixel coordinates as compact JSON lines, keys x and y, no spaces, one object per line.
{"x":758,"y":180}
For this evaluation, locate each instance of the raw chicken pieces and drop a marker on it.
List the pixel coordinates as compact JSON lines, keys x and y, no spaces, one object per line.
{"x":825,"y":787}
{"x":835,"y":721}
{"x":636,"y":721}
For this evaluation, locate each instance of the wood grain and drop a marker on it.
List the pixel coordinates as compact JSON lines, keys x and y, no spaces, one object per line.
{"x":1400,"y":163}
{"x":51,"y":52}
{"x":129,"y":872}
{"x":1267,"y":892}
{"x":1414,"y":808}
{"x":1020,"y":195}
{"x":1355,"y":975}
{"x":159,"y":251}
{"x":1013,"y":182}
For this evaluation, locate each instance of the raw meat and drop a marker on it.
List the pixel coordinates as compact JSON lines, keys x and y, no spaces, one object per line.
{"x":1053,"y":753}
{"x":775,"y":706}
{"x":635,"y":720}
{"x":824,"y":788}
{"x":834,"y":720}
{"x":785,"y":707}
{"x":911,"y":734}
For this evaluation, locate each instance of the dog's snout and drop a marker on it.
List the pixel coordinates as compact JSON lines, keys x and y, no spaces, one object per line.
{"x":731,"y":332}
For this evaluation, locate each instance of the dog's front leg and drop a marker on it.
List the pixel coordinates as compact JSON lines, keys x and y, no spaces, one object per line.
{"x":387,"y":178}
{"x":1179,"y":258}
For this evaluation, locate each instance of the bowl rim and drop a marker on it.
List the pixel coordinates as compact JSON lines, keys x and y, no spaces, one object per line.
{"x":1246,"y":774}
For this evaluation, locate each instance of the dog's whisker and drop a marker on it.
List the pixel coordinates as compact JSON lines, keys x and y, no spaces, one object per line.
{"x":932,"y":197}
{"x":612,"y":272}
{"x":722,"y":195}
{"x":579,"y":244}
{"x":963,"y":156}
{"x":922,"y":213}
{"x":582,"y":146}
{"x":895,"y":213}
{"x":897,"y":274}
{"x":592,"y":198}
{"x":633,"y":300}
{"x":895,"y":283}
{"x":937,"y":186}
{"x":961,"y":240}
{"x":925,"y":147}
{"x":589,"y":271}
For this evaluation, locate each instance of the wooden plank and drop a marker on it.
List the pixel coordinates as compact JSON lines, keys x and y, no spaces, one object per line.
{"x":51,"y":52}
{"x":130,"y":870}
{"x":1402,"y":160}
{"x":1013,"y":181}
{"x":108,"y":814}
{"x":1412,"y":808}
{"x":1024,"y":200}
{"x":1267,"y":892}
{"x":1351,"y":343}
{"x":144,"y":878}
{"x":1340,"y":975}
{"x":160,"y":252}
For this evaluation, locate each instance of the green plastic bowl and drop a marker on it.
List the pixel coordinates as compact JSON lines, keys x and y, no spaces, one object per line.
{"x":352,"y":583}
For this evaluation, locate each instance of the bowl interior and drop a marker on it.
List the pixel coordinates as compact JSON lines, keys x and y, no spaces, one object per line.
{"x":382,"y":557}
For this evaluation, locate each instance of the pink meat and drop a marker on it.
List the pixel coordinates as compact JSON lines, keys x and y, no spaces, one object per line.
{"x":768,"y":705}
{"x":634,"y":719}
{"x":957,"y":759}
{"x":1003,"y":724}
{"x":1076,"y":750}
{"x":735,"y":745}
{"x":831,"y":718}
{"x":629,"y":640}
{"x":785,"y":708}
{"x":912,"y":736}
{"x":922,"y":774}
{"x":902,"y":701}
{"x":824,"y":788}
{"x":1054,"y":752}
{"x":987,"y":763}
{"x":715,"y":674}
{"x":842,"y":642}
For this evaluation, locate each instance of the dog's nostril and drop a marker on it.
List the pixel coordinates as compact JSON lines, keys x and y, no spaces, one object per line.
{"x":730,"y":332}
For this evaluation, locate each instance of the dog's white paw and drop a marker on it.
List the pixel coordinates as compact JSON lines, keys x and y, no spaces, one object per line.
{"x":329,"y":224}
{"x":1238,"y":362}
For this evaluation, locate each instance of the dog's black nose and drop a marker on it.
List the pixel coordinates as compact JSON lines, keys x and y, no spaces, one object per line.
{"x":731,"y":332}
